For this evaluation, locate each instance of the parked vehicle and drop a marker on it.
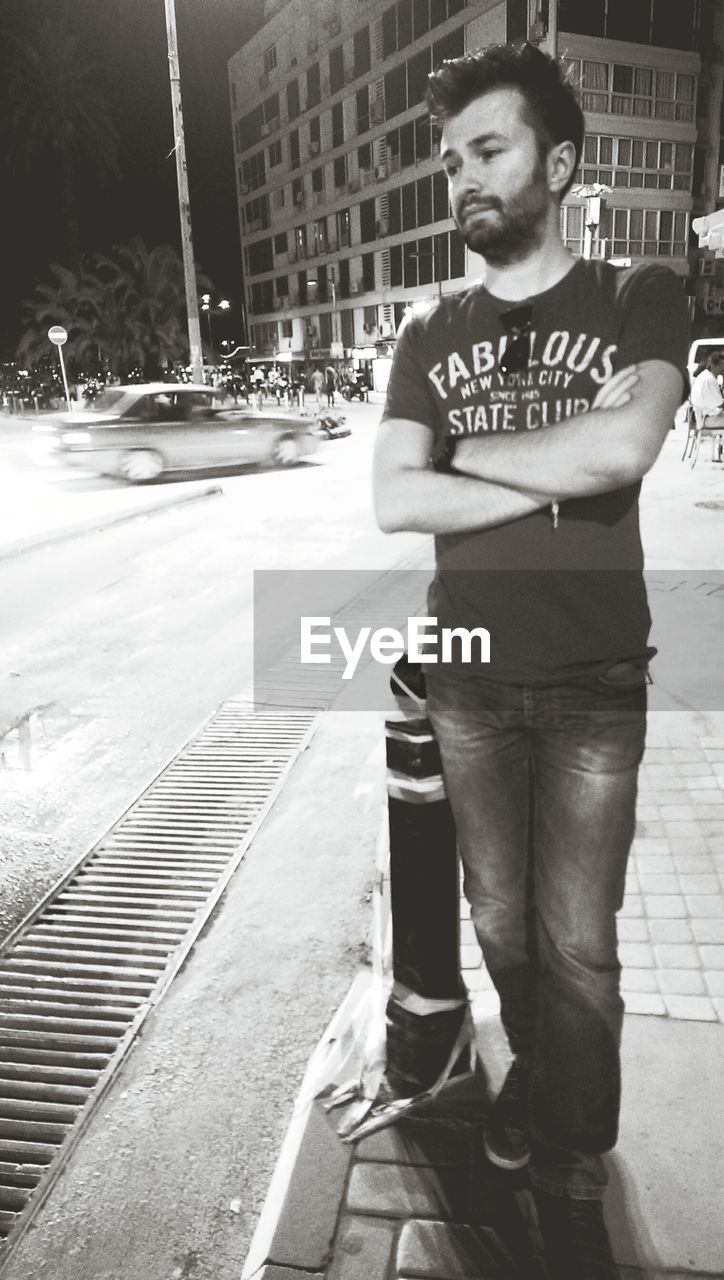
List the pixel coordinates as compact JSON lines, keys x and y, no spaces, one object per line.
{"x":140,"y":432}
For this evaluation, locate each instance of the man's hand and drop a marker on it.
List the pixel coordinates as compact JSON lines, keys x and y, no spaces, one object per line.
{"x":617,"y":392}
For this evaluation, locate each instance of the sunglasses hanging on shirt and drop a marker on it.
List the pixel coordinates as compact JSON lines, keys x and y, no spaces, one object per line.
{"x":517,"y":326}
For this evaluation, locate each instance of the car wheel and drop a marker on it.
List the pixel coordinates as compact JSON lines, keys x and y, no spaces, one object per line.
{"x":141,"y":464}
{"x":287,"y":450}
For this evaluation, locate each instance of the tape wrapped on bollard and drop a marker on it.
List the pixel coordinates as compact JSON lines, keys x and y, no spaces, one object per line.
{"x":420,"y":1032}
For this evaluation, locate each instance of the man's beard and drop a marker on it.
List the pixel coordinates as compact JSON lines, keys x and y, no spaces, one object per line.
{"x":512,"y":227}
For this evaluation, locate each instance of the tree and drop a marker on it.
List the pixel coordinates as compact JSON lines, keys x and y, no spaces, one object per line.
{"x":122,"y":311}
{"x":54,"y":111}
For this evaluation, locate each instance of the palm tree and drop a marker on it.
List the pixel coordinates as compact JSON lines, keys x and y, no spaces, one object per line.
{"x":53,"y":109}
{"x":122,"y":311}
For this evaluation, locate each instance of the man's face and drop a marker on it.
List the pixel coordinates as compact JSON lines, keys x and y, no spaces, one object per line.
{"x":496,"y":179}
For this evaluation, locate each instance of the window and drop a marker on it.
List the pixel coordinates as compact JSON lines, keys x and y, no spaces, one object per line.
{"x":270,"y":110}
{"x":270,"y":58}
{"x":340,"y":172}
{"x":318,"y":179}
{"x":368,"y":272}
{"x":294,"y":153}
{"x":631,"y":232}
{"x":404,"y":23}
{"x":395,"y":92}
{"x":336,"y":69}
{"x":281,"y":286}
{"x":389,"y":32}
{"x":364,"y":157}
{"x":627,"y":162}
{"x":440,"y":201}
{"x":256,"y":214}
{"x":253,"y":173}
{"x":302,"y":288}
{"x":674,"y":25}
{"x":423,"y":138}
{"x":300,"y":242}
{"x":261,"y":257}
{"x":337,"y":125}
{"x":395,"y":266}
{"x":275,"y":154}
{"x":368,"y":223}
{"x":418,"y":69}
{"x":314,"y":136}
{"x":363,"y":111}
{"x":424,"y":201}
{"x":343,"y":285}
{"x":286,"y":326}
{"x":409,"y":210}
{"x":635,"y":91}
{"x":407,"y":145}
{"x":314,"y":96}
{"x":293,"y":107}
{"x":420,"y":18}
{"x":280,"y":243}
{"x":343,"y":228}
{"x":451,"y":46}
{"x":629,"y":20}
{"x":319,"y":236}
{"x":584,"y":17}
{"x":362,"y":58}
{"x":298,"y":192}
{"x":516,"y":21}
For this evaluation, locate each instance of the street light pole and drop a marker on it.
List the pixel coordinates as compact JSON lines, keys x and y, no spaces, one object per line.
{"x":187,"y":248}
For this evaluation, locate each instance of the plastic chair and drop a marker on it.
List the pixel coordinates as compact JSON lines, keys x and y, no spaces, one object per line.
{"x":714,"y":432}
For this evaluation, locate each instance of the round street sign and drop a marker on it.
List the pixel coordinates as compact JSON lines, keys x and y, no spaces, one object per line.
{"x":57,"y":334}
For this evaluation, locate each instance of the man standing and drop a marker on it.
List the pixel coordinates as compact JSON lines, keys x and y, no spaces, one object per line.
{"x":521,"y":415}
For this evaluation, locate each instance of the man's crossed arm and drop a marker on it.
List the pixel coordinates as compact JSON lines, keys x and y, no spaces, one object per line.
{"x":501,"y":477}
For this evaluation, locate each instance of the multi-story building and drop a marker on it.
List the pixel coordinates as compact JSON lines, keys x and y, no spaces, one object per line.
{"x":343,"y":208}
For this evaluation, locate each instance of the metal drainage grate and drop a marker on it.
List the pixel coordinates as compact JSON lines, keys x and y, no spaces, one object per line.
{"x":79,"y":975}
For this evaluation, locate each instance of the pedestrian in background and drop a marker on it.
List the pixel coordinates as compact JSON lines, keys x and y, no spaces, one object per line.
{"x":520,"y":417}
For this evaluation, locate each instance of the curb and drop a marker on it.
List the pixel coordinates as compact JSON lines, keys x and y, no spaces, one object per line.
{"x":97,"y":523}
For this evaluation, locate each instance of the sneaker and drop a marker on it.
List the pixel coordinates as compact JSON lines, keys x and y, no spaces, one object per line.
{"x":576,"y":1244}
{"x":506,"y":1138}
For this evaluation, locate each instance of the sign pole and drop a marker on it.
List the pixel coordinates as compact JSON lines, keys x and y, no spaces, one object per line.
{"x":58,"y":335}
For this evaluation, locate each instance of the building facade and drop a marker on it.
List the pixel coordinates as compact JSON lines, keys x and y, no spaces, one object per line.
{"x":343,"y":209}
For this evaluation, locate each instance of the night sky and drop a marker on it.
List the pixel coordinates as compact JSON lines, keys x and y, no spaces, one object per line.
{"x":128,"y":39}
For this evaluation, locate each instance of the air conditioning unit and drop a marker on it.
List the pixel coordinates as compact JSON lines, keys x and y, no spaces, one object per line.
{"x":264,"y":80}
{"x":377,"y":112}
{"x":356,"y":286}
{"x":299,"y":200}
{"x":381,"y":172}
{"x":537,"y":31}
{"x":369,"y":328}
{"x":264,"y":129}
{"x":313,"y":149}
{"x":383,"y":228}
{"x":393,"y":164}
{"x":353,"y":185}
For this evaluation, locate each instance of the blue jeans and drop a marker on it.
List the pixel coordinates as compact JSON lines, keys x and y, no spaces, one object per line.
{"x":542,"y":783}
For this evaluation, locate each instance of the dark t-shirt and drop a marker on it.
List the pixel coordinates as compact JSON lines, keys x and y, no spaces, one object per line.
{"x":561,"y":602}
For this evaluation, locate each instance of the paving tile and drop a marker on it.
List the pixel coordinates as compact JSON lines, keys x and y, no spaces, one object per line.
{"x":715,"y":982}
{"x":641,"y":980}
{"x":692,"y":1008}
{"x":364,"y":1248}
{"x":665,"y":906}
{"x":713,"y":828}
{"x":670,"y":931}
{"x":704,"y":782}
{"x":632,"y":882}
{"x":654,"y":864}
{"x":467,"y":933}
{"x":698,"y":883}
{"x":478,"y":979}
{"x":650,"y":844}
{"x":636,"y":955}
{"x":647,"y":813}
{"x":658,"y":883}
{"x":689,"y":844}
{"x":712,"y":957}
{"x":705,"y":794}
{"x":419,"y":1141}
{"x":633,"y":906}
{"x":689,"y":755}
{"x":632,"y":931}
{"x":697,"y":864}
{"x":677,"y":955}
{"x":451,"y":1251}
{"x":673,"y":812}
{"x":678,"y":827}
{"x":708,"y":930}
{"x":471,"y":956}
{"x":715,"y":754}
{"x":643,"y":1002}
{"x":710,"y":811}
{"x":401,"y":1191}
{"x":652,"y":829}
{"x":719,"y":1006}
{"x":680,"y":982}
{"x":705,"y":905}
{"x":700,"y":770}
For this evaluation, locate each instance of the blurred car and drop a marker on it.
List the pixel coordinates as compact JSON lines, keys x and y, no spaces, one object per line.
{"x":139,"y":432}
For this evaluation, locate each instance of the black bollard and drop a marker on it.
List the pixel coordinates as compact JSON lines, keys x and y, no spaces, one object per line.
{"x":427,"y":1008}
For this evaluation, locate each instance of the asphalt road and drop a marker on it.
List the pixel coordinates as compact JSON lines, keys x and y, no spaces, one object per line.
{"x":117,"y":646}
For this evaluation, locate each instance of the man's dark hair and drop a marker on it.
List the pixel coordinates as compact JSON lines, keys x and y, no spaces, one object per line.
{"x":551,"y":103}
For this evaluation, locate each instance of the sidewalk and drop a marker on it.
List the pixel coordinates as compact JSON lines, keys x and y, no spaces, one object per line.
{"x":159,"y":1187}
